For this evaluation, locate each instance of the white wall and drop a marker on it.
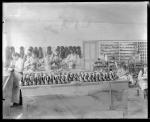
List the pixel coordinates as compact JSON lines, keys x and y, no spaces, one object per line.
{"x":30,"y":24}
{"x":42,"y":34}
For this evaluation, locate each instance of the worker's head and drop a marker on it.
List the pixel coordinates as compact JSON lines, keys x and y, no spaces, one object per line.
{"x":29,"y":52}
{"x":16,"y":56}
{"x":71,"y":51}
{"x":33,"y":54}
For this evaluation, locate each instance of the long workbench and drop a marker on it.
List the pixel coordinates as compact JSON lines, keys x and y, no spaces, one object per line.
{"x":72,"y":89}
{"x":79,"y":89}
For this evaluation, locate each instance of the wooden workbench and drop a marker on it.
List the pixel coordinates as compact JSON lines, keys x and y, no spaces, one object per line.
{"x":69,"y":89}
{"x":81,"y":89}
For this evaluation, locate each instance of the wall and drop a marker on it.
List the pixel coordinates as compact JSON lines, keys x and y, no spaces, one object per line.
{"x":54,"y":24}
{"x":43,"y":34}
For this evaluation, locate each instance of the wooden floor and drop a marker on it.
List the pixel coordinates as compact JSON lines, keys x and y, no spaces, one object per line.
{"x":94,"y":105}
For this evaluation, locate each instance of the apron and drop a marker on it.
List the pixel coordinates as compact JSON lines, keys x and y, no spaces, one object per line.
{"x":16,"y":91}
{"x":71,"y":61}
{"x":143,"y":84}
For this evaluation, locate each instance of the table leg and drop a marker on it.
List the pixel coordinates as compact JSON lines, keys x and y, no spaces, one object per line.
{"x":25,"y":107}
{"x":125,"y":103}
{"x":6,"y":108}
{"x":110,"y":97}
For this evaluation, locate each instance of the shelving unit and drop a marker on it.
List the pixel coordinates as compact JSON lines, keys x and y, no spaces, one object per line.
{"x":110,"y":48}
{"x":127,"y":50}
{"x":142,"y":48}
{"x":123,"y":50}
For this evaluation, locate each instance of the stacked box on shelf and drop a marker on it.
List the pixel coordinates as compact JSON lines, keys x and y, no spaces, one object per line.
{"x":111,"y":49}
{"x":124,"y":50}
{"x":143,"y":51}
{"x":127,"y":50}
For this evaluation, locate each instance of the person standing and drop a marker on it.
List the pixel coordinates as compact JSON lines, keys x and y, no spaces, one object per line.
{"x":34,"y":62}
{"x":71,"y":60}
{"x":28,"y":58}
{"x":17,"y":71}
{"x":142,"y":81}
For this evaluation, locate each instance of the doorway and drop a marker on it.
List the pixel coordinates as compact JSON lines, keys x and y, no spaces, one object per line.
{"x":90,"y":50}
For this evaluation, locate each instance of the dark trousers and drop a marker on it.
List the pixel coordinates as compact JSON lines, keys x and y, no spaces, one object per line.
{"x":20,"y":100}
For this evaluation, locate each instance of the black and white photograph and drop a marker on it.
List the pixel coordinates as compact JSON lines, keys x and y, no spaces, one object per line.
{"x":74,"y":60}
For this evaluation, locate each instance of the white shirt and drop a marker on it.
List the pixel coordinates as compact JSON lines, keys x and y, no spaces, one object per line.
{"x":77,"y":59}
{"x":72,"y":57}
{"x":106,"y":58}
{"x":28,"y":61}
{"x":140,"y":75}
{"x":130,"y":78}
{"x":142,"y":83}
{"x":18,"y":65}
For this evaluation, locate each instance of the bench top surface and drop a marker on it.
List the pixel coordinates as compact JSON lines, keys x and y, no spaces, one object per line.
{"x":78,"y":84}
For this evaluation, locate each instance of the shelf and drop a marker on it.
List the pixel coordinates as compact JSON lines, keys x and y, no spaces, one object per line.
{"x":124,"y":50}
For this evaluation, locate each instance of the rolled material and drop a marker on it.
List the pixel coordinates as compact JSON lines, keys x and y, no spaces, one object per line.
{"x":7,"y":57}
{"x":8,"y":53}
{"x":22,"y":52}
{"x":65,"y":52}
{"x":49,"y":50}
{"x":79,"y":51}
{"x":36,"y":51}
{"x":58,"y":50}
{"x":40,"y":53}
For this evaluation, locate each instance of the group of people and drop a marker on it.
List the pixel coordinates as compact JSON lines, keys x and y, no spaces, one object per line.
{"x":17,"y":63}
{"x":50,"y":61}
{"x":136,"y":79}
{"x":64,"y":78}
{"x":32,"y":62}
{"x":72,"y":60}
{"x":104,"y":64}
{"x":35,"y":57}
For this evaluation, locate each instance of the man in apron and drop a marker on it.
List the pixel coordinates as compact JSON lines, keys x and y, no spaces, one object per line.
{"x":71,"y":60}
{"x":142,"y":81}
{"x":28,"y":58}
{"x":17,"y":72}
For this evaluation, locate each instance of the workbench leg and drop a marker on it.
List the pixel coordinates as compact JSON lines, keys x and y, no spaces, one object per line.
{"x":111,"y":102}
{"x":138,"y":92}
{"x":110,"y":98}
{"x":125,"y":103}
{"x":25,"y":108}
{"x":6,"y":109}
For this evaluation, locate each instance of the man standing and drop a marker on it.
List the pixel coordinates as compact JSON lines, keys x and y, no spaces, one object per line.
{"x":17,"y":72}
{"x":142,"y":80}
{"x":71,"y":60}
{"x":28,"y":58}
